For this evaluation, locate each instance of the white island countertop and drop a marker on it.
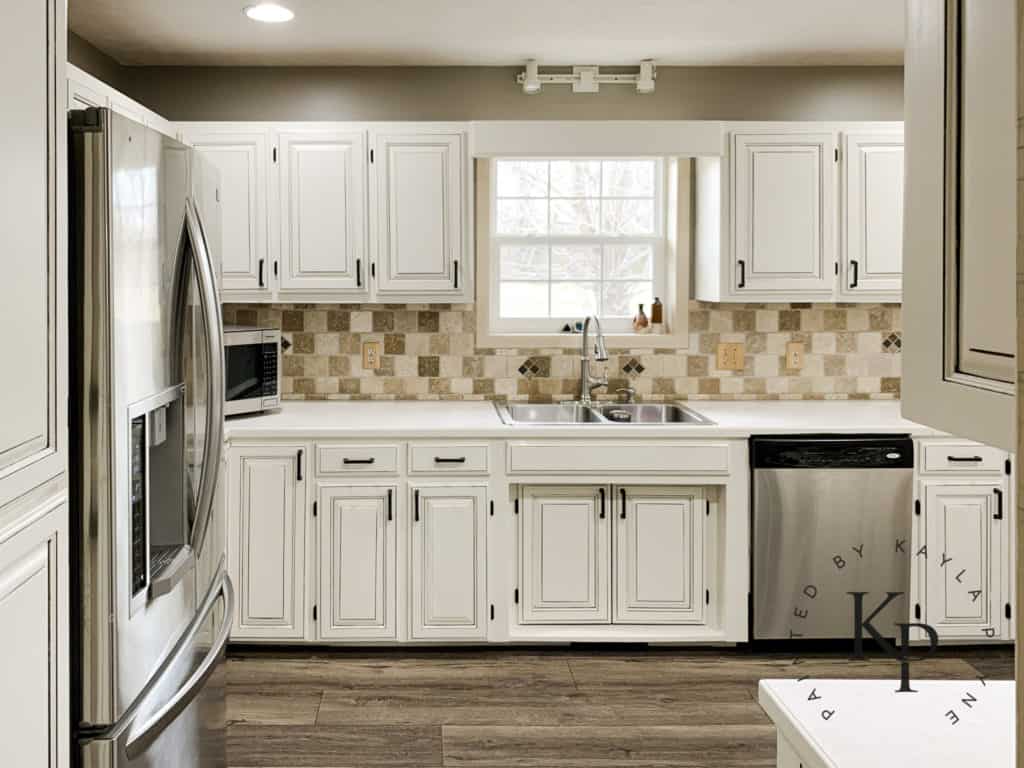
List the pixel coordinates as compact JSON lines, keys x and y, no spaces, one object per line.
{"x":478,"y":419}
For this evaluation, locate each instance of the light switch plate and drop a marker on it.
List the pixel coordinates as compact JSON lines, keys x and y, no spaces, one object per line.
{"x":794,"y":356}
{"x":371,"y":355}
{"x":730,"y":356}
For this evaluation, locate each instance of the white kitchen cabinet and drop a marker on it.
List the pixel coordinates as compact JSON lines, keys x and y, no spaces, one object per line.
{"x":960,"y":236}
{"x":358,"y":558}
{"x":448,"y":578}
{"x":323,"y":215}
{"x":242,"y":154}
{"x":659,"y":555}
{"x":267,"y":541}
{"x":565,"y":541}
{"x":84,"y":91}
{"x":871,"y":266}
{"x":419,"y":220}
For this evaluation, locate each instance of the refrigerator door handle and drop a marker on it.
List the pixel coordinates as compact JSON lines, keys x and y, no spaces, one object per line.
{"x":151,"y":730}
{"x":214,"y":335}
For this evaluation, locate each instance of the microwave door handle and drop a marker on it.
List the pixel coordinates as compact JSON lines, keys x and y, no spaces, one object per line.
{"x":213,"y":336}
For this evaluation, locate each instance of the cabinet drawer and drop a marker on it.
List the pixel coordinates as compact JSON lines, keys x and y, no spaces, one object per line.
{"x":357,"y":459}
{"x":600,"y":457}
{"x":448,"y":458}
{"x":962,"y":458}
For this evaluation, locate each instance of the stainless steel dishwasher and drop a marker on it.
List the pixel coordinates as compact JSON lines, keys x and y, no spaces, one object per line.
{"x":831,"y":515}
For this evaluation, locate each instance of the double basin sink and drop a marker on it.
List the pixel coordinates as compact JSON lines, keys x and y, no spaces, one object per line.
{"x":610,"y":413}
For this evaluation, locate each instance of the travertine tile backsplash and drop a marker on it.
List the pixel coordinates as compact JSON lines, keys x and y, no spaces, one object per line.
{"x":429,"y":353}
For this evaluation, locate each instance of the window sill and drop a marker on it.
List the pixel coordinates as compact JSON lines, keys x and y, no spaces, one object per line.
{"x":675,"y":341}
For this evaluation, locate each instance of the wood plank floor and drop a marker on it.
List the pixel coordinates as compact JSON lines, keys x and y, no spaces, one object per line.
{"x":565,"y":708}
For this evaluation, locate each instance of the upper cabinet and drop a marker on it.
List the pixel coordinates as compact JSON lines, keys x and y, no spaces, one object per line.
{"x":800,"y":212}
{"x":960,"y":237}
{"x":84,"y":91}
{"x":342,"y":212}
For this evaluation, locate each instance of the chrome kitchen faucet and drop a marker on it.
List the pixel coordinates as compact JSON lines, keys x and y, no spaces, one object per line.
{"x":589,"y":383}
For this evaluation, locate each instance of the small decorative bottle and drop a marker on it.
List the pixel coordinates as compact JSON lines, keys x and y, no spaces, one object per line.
{"x":657,"y":316}
{"x":640,"y":323}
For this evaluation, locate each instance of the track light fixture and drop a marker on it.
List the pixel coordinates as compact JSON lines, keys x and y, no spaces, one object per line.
{"x":587,"y":79}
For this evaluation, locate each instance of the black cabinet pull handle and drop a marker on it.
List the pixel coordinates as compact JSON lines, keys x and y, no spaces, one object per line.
{"x":971,"y":459}
{"x":856,"y":276}
{"x":260,"y":276}
{"x":298,"y":465}
{"x":622,"y":491}
{"x":456,"y":268}
{"x":347,"y":460}
{"x":416,"y":506}
{"x":359,"y":273}
{"x":999,"y":504}
{"x":447,"y":460}
{"x":389,"y":505}
{"x":743,"y":273}
{"x":601,"y":493}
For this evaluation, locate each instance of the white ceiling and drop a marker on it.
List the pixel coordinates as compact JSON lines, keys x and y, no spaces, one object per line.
{"x":493,"y":32}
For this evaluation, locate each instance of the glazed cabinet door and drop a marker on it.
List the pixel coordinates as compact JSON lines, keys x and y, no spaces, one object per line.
{"x":266,"y":541}
{"x":963,"y":529}
{"x":418,"y":199}
{"x":783,"y":213}
{"x":241,"y":155}
{"x":358,"y":562}
{"x":32,"y":218}
{"x":323,"y":215}
{"x":449,"y":576}
{"x":565,"y":554}
{"x":872,"y":233}
{"x":659,"y":555}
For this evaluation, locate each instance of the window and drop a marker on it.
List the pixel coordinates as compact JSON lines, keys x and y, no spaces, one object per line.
{"x":572,"y":237}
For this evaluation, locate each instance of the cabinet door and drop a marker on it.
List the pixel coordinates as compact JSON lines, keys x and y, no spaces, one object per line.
{"x":357,"y":562}
{"x":449,"y":577}
{"x":33,"y":212}
{"x":659,"y":555}
{"x":783,"y":213}
{"x":419,"y":215}
{"x":33,"y":648}
{"x":960,"y":235}
{"x":323,"y":214}
{"x":266,"y":547}
{"x":962,"y":572}
{"x":872,"y":264}
{"x":565,"y":555}
{"x":241,"y":158}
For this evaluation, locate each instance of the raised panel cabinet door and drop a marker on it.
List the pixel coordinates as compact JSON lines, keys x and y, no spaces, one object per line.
{"x":419,"y":213}
{"x":241,"y":160}
{"x":783,"y":213}
{"x":32,"y":219}
{"x":872,"y":244}
{"x":962,"y":572}
{"x":449,"y":575}
{"x":565,"y":563}
{"x":358,"y":562}
{"x":659,"y":555}
{"x":323,"y":213}
{"x":267,"y":539}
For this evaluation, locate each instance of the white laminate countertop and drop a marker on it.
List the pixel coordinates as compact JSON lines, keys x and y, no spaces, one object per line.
{"x":455,"y":419}
{"x":874,"y":726}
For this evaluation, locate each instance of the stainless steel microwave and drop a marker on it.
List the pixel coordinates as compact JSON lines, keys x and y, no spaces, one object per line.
{"x":252,"y":369}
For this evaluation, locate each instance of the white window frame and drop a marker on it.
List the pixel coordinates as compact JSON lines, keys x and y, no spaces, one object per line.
{"x":670,"y":269}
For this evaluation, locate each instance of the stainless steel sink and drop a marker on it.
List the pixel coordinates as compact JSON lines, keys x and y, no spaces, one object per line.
{"x":610,"y":414}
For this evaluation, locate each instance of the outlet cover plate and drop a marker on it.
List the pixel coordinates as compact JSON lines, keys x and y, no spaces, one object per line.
{"x":794,"y":355}
{"x":731,"y":356}
{"x":371,"y":355}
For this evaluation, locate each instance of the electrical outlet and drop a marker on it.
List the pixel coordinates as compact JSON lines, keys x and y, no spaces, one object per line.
{"x":794,"y":355}
{"x":371,"y":355}
{"x":730,"y":356}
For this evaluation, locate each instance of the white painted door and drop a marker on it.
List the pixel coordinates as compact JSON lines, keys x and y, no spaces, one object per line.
{"x":33,"y":645}
{"x":565,"y":560}
{"x":358,"y":562}
{"x":962,"y":572}
{"x":449,"y":553}
{"x":783,"y":213}
{"x":266,"y":541}
{"x":659,"y":555}
{"x":323,"y":214}
{"x":872,"y":247}
{"x":241,"y":156}
{"x":419,"y":214}
{"x":33,"y":207}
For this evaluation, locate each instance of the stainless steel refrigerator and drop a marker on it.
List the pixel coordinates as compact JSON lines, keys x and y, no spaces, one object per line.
{"x":151,"y":598}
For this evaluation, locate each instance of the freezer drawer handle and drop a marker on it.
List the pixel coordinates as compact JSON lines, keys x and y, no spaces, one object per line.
{"x":156,"y":725}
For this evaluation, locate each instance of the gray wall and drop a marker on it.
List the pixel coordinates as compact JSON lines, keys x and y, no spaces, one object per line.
{"x":490,"y":93}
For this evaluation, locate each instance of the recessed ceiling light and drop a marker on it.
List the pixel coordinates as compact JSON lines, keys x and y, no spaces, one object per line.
{"x":270,"y":13}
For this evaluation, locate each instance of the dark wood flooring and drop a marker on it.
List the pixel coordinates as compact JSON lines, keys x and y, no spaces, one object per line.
{"x":564,"y":708}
